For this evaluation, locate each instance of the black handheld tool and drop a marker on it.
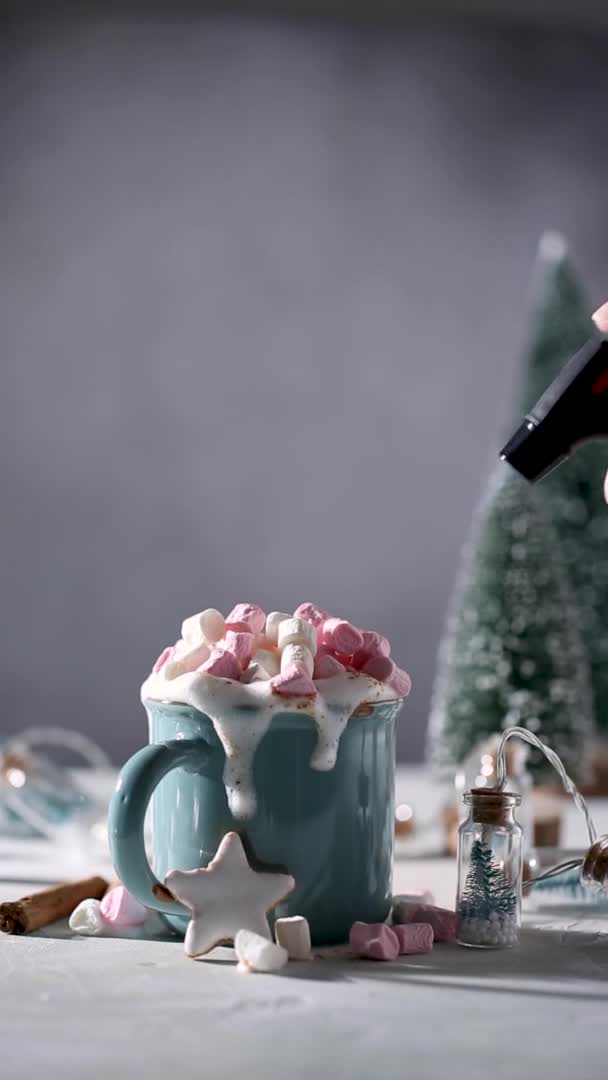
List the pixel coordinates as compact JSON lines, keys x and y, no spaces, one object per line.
{"x":573,"y":410}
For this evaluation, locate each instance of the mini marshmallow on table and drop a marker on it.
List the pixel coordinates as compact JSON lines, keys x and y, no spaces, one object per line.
{"x":293,"y":933}
{"x":87,"y":919}
{"x":377,"y":941}
{"x":414,"y":939}
{"x":374,"y":941}
{"x":256,"y":953}
{"x":442,"y":920}
{"x":408,"y":900}
{"x":118,"y":910}
{"x":121,"y":909}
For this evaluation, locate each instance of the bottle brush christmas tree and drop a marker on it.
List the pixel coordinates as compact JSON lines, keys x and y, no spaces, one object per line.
{"x":486,"y":889}
{"x":560,"y":323}
{"x":512,"y":653}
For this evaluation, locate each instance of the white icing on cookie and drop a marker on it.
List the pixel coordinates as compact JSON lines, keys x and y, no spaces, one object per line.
{"x":227,"y":896}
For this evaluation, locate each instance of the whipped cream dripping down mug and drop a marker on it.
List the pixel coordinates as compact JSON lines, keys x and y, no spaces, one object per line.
{"x":332,"y":830}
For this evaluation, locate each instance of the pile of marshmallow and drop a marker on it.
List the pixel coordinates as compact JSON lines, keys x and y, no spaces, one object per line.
{"x":416,"y":925}
{"x":118,"y":910}
{"x":291,"y":652}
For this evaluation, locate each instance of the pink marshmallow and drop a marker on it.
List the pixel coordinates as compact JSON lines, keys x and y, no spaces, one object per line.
{"x":312,"y":614}
{"x":414,"y":938}
{"x":374,"y":941}
{"x":294,"y":682}
{"x":345,"y":660}
{"x":414,"y":898}
{"x":376,"y":644}
{"x":223,"y":664}
{"x":341,"y":636}
{"x":401,"y":682}
{"x":373,"y":645}
{"x":240,"y":644}
{"x":360,"y":659}
{"x":164,"y":657}
{"x":120,"y":909}
{"x":381,"y":668}
{"x":442,"y":920}
{"x":386,"y":671}
{"x":246,"y":616}
{"x":326,"y":665}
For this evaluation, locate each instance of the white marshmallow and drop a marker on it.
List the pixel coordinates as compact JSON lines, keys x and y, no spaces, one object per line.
{"x":264,"y":665}
{"x":180,"y":649}
{"x":254,"y":673}
{"x":256,"y":953}
{"x":207,"y":625}
{"x":273,"y":621}
{"x":293,"y":934}
{"x":297,"y":632}
{"x":192,"y":631}
{"x":269,"y":661}
{"x":87,"y":919}
{"x":189,"y":661}
{"x":296,"y":655}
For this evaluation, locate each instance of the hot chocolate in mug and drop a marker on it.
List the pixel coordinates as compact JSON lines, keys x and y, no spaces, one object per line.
{"x":332,"y":829}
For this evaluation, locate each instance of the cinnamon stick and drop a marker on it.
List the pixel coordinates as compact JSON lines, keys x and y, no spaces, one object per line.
{"x":42,"y":908}
{"x":161,"y":892}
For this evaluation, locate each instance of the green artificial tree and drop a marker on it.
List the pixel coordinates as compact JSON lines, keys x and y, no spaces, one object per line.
{"x":512,"y":653}
{"x":560,"y":322}
{"x":486,"y":889}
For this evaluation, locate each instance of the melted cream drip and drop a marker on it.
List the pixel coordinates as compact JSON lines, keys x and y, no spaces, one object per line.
{"x":241,"y":714}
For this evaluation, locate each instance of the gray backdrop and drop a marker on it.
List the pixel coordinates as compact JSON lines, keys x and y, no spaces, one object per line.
{"x":263,"y":288}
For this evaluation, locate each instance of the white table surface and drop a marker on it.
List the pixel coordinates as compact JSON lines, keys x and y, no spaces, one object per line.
{"x":105,"y":1007}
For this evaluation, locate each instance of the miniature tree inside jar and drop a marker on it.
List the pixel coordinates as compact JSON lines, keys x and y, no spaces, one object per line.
{"x":488,"y":902}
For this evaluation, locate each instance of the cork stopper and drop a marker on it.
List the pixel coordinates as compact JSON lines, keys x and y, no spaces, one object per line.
{"x":594,"y":871}
{"x":492,"y":807}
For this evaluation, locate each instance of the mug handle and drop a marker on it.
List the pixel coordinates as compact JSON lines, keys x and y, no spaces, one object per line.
{"x":134,"y":789}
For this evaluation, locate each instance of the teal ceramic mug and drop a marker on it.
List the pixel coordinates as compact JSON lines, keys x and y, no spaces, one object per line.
{"x":332,"y":831}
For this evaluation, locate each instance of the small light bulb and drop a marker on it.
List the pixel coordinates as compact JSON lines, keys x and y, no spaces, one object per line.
{"x":16,"y":777}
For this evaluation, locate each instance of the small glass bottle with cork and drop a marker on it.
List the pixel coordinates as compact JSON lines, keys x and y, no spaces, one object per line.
{"x":488,"y":902}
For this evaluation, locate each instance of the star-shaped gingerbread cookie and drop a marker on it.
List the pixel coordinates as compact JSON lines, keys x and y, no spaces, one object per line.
{"x":226,"y":896}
